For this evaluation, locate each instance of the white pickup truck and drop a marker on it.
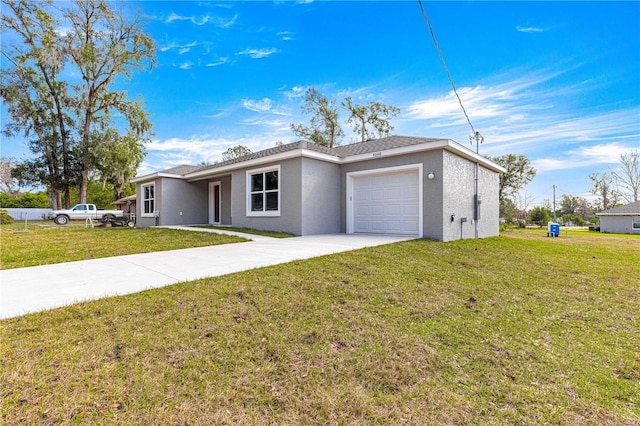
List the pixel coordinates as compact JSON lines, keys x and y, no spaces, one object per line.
{"x":89,"y":211}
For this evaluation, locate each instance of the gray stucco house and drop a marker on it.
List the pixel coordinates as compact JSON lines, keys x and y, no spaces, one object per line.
{"x":395,"y":185}
{"x":621,"y":220}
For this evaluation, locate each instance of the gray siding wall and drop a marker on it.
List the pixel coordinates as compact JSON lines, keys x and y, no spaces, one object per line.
{"x":618,"y":224}
{"x":320,"y":192}
{"x":432,"y":200}
{"x":183,"y":203}
{"x":290,"y":198}
{"x":458,"y":200}
{"x":175,"y":196}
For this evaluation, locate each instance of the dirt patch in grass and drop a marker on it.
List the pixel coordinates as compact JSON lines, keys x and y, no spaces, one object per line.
{"x":507,"y":330}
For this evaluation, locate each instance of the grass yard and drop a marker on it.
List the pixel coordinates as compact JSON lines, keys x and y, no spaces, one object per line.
{"x":272,"y":234}
{"x":519,"y":329}
{"x":42,"y":244}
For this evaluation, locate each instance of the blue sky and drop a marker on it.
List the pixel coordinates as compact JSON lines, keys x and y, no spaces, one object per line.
{"x":556,"y":81}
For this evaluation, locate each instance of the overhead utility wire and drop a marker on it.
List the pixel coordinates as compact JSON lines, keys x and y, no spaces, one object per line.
{"x":444,"y":64}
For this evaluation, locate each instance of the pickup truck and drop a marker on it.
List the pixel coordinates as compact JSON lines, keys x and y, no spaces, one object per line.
{"x":89,"y":211}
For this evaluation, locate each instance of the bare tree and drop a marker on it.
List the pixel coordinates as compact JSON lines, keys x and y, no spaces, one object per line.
{"x":523,"y":201}
{"x":324,"y":128}
{"x":628,"y":178}
{"x":235,"y":152}
{"x":604,"y":187}
{"x":7,"y":182}
{"x":375,"y":115}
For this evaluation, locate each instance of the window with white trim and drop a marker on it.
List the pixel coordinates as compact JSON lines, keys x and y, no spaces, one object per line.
{"x":148,"y":199}
{"x":263,"y":192}
{"x":636,"y":223}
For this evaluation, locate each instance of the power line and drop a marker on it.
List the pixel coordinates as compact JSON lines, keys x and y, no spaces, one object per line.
{"x":444,"y":64}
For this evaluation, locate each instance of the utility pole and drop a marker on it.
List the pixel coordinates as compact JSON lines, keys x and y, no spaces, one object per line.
{"x":478,"y":139}
{"x":554,"y":202}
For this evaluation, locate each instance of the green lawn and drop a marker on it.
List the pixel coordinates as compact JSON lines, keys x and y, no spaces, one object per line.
{"x":272,"y":234}
{"x":519,"y":329}
{"x":43,"y":243}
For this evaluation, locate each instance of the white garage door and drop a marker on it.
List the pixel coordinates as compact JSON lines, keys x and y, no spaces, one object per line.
{"x":387,"y":203}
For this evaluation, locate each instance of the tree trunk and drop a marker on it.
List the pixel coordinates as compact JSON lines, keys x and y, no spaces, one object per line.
{"x":82,"y":197}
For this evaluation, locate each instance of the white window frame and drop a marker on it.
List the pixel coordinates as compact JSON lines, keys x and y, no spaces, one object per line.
{"x":142,"y":204}
{"x":267,"y":213}
{"x":635,"y":223}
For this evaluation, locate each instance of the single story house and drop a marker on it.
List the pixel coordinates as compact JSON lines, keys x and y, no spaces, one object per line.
{"x":127,"y":204}
{"x":621,"y":220}
{"x":395,"y":185}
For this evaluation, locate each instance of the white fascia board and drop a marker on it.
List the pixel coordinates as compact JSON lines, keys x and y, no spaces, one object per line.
{"x":447,"y":144}
{"x":467,"y":153}
{"x":618,"y":214}
{"x":153,"y":176}
{"x":395,"y":151}
{"x":206,"y":174}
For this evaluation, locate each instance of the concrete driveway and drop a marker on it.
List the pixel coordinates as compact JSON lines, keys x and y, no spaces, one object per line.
{"x":27,"y":290}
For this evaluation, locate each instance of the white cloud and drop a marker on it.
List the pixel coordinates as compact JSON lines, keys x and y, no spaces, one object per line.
{"x":186,"y":65}
{"x":179,"y":47}
{"x":263,"y":105}
{"x":63,"y":31}
{"x":587,"y":156}
{"x":602,"y":153}
{"x":220,"y":61}
{"x":296,"y":92}
{"x":527,"y":115}
{"x":529,"y":29}
{"x":163,"y":154}
{"x":258,"y":53}
{"x":175,"y":17}
{"x":286,"y":35}
{"x":226,"y":23}
{"x":215,"y":20}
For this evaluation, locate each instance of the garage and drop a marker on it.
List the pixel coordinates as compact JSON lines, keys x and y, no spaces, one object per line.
{"x":386,"y":202}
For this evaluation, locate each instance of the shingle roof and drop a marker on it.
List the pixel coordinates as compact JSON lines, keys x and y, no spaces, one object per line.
{"x":383,"y":144}
{"x":342,"y":151}
{"x":181,"y":170}
{"x":272,"y":151}
{"x":338,"y":151}
{"x":628,"y":209}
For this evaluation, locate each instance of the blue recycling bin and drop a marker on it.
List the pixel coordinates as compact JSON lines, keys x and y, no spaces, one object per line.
{"x":553,"y":230}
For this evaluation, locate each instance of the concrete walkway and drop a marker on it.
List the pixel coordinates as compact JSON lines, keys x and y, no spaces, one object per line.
{"x":38,"y":288}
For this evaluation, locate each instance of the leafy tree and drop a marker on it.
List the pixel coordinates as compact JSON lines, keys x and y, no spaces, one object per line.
{"x":37,"y":100}
{"x":120,"y":157}
{"x":628,"y":178}
{"x":374,"y":114}
{"x":324,"y":128}
{"x":519,"y":173}
{"x":235,"y":152}
{"x":71,"y":118}
{"x":603,"y":185}
{"x":104,"y":46}
{"x":539,"y":215}
{"x":38,"y":200}
{"x":570,"y":204}
{"x":99,"y":192}
{"x":508,"y":211}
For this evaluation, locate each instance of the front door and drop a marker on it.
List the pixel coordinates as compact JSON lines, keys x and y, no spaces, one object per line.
{"x":214,"y":203}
